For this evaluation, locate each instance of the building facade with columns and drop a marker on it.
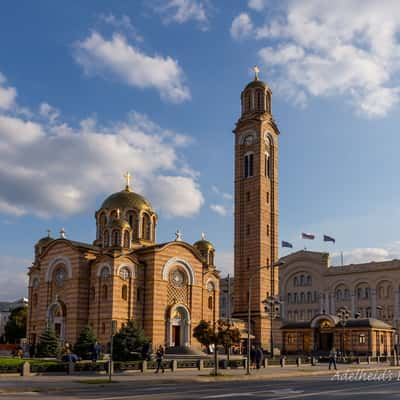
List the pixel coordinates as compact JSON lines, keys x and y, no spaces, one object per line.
{"x":309,"y":286}
{"x":167,"y":288}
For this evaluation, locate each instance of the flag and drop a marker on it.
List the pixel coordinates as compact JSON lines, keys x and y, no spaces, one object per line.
{"x":309,"y":236}
{"x":287,"y":244}
{"x":329,"y":239}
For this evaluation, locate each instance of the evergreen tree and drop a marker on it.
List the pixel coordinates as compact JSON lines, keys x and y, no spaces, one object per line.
{"x":129,"y":342}
{"x":15,"y":328}
{"x":48,"y":345}
{"x":85,"y":343}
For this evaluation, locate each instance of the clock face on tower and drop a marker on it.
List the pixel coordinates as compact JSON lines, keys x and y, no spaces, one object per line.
{"x":248,"y":140}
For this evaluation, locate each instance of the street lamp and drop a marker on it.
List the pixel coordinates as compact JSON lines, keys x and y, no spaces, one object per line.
{"x":272,"y":307}
{"x":344,"y":315}
{"x":277,"y":264}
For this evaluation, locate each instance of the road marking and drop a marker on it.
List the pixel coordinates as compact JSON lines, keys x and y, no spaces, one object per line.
{"x":287,"y":391}
{"x":220,"y":396}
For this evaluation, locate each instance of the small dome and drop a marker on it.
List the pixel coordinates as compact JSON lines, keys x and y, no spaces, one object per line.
{"x":44,"y":241}
{"x":203,"y":244}
{"x":118,"y":224}
{"x":126,"y":199}
{"x":256,"y":83}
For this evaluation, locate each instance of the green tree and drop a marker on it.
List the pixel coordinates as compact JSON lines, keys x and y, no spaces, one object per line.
{"x":128,"y":342}
{"x":222,"y":333}
{"x":15,"y":328}
{"x":85,"y":343}
{"x":227,"y":335}
{"x":48,"y":345}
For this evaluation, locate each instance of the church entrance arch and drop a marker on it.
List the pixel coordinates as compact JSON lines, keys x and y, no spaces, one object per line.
{"x":56,"y":319}
{"x":178,"y":326}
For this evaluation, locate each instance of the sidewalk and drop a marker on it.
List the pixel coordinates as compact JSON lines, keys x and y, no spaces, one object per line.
{"x":52,"y":382}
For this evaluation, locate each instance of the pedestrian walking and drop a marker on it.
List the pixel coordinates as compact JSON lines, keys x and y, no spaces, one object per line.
{"x":282,"y":360}
{"x":259,"y":355}
{"x":252,"y":356}
{"x":332,"y":358}
{"x":159,"y":359}
{"x":96,"y":351}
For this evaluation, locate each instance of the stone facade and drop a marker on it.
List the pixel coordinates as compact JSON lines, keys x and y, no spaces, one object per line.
{"x":167,"y":288}
{"x":309,"y":285}
{"x":256,"y":207}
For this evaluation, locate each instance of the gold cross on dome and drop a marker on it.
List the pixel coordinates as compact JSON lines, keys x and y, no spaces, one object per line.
{"x":256,"y":72}
{"x":128,"y":177}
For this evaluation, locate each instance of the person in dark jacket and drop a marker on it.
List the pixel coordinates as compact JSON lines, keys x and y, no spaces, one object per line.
{"x":259,"y":355}
{"x":159,"y":359}
{"x":252,"y":356}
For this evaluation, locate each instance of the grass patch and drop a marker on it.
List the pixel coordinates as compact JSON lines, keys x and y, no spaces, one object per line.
{"x":96,"y":381}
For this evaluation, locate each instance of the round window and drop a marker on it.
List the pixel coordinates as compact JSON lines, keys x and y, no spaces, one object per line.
{"x":177,"y":278}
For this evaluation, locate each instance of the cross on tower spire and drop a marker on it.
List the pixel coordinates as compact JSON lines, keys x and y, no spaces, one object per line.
{"x":128,"y":177}
{"x":256,"y":72}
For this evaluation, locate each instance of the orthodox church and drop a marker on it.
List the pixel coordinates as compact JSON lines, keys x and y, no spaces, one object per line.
{"x":124,"y":275}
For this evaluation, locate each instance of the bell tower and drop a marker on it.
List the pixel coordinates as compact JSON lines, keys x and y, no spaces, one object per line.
{"x":256,"y":207}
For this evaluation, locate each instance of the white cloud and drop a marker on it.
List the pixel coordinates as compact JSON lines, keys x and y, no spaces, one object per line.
{"x":219,"y":209}
{"x":337,"y":48}
{"x":257,"y":5}
{"x":49,"y":112}
{"x":224,"y":195}
{"x":241,"y":26}
{"x":7,"y":94}
{"x":121,"y":24}
{"x":13,"y":277}
{"x":368,"y":254}
{"x":181,"y":11}
{"x":50,"y":168}
{"x":224,"y":261}
{"x":118,"y":58}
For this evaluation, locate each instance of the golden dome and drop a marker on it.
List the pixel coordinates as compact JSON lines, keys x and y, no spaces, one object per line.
{"x":203,"y":244}
{"x":126,"y":199}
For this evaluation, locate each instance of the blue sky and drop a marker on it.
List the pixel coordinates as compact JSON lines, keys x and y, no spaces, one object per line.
{"x":91,"y":89}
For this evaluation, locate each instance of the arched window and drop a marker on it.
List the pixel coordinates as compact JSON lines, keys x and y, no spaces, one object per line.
{"x":309,"y":280}
{"x":248,"y":165}
{"x":105,"y":292}
{"x":124,"y":292}
{"x":346,"y":294}
{"x":247,"y":102}
{"x":296,"y":298}
{"x":295,"y":281}
{"x":260,"y":100}
{"x":301,"y":280}
{"x":302,"y":297}
{"x":211,"y":261}
{"x":267,"y":166}
{"x":106,"y":239}
{"x":289,"y":298}
{"x":309,"y":297}
{"x":146,"y":227}
{"x":133,"y":221}
{"x":126,"y":239}
{"x":92,"y":293}
{"x":116,"y":241}
{"x":210,"y":302}
{"x":102,"y":223}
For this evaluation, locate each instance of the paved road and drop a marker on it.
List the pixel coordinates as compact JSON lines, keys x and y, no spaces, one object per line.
{"x":315,"y":387}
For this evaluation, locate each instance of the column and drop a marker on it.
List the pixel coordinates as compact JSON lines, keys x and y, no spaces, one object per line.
{"x":396,"y":304}
{"x":353,"y":304}
{"x":373,"y":303}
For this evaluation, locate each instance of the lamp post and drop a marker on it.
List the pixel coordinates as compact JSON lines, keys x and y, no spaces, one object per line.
{"x":344,"y":315}
{"x":277,"y":264}
{"x":272,"y":307}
